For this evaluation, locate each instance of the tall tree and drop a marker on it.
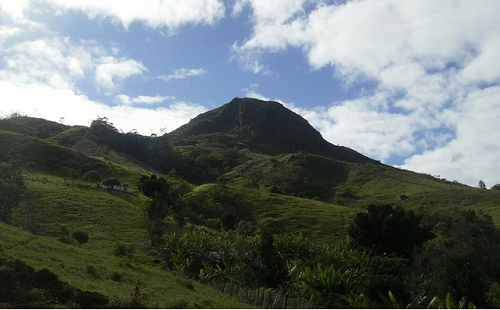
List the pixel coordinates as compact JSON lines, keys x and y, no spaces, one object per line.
{"x":481,"y":184}
{"x":11,"y":186}
{"x":387,"y":230}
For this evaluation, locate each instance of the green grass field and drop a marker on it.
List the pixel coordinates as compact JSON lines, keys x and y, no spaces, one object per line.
{"x":109,"y":218}
{"x":320,"y":221}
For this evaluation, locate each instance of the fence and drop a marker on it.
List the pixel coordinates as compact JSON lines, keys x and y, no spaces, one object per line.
{"x":265,"y":298}
{"x":75,"y":183}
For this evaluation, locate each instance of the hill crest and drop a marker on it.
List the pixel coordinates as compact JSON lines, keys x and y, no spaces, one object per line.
{"x":267,"y":126}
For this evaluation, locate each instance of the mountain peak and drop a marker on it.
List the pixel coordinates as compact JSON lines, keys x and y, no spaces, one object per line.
{"x":265,"y":125}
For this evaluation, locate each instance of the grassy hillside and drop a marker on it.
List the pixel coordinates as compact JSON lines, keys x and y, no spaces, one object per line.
{"x":111,"y":219}
{"x":45,"y":156}
{"x":320,"y":221}
{"x":36,"y":127}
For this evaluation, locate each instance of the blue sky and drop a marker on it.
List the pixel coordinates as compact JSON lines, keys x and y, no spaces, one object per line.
{"x":415,"y":84}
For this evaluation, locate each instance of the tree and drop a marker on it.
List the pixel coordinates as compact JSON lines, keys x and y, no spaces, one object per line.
{"x":387,"y":230}
{"x":496,"y":187}
{"x":111,"y":182}
{"x":11,"y":186}
{"x":92,"y":176}
{"x":481,"y":184}
{"x":73,"y":173}
{"x":463,"y":261}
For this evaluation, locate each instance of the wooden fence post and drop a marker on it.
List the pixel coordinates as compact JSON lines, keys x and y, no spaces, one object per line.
{"x":256,"y":299}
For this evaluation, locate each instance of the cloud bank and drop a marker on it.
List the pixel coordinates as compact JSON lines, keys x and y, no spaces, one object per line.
{"x":435,"y":101}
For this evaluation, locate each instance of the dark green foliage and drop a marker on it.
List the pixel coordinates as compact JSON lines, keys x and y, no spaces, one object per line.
{"x":154,"y":187}
{"x":138,"y":297}
{"x":153,"y":151}
{"x":274,"y":271}
{"x":464,"y":260}
{"x":111,"y":182}
{"x":92,"y":271}
{"x":299,"y":174}
{"x":65,"y":236}
{"x":214,"y":202}
{"x":496,"y":187}
{"x":116,"y":276}
{"x":124,"y":250}
{"x":386,"y":230}
{"x":481,"y":184}
{"x":11,"y":187}
{"x":162,"y":197}
{"x":92,"y":176}
{"x":24,"y":288}
{"x":493,"y":295}
{"x":81,"y":236}
{"x":73,"y":173}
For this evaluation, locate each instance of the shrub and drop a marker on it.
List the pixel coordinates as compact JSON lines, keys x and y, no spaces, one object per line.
{"x":122,"y":250}
{"x":65,"y":236}
{"x":92,"y":176}
{"x":116,"y":276}
{"x":81,"y":236}
{"x":138,"y":297}
{"x":73,"y":173}
{"x":92,"y":270}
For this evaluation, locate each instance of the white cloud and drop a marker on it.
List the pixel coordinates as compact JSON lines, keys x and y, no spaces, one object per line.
{"x":277,"y":24}
{"x":14,"y":9}
{"x":53,"y":103}
{"x":7,"y":32}
{"x":428,"y":61}
{"x":62,"y":63}
{"x":52,"y":61}
{"x":111,"y":70}
{"x":473,"y":154}
{"x":148,"y":100}
{"x":42,"y":77}
{"x":171,"y":14}
{"x":183,"y":73}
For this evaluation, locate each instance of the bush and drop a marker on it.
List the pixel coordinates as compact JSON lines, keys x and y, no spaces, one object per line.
{"x":73,"y":173}
{"x":81,"y":236}
{"x":92,"y":176}
{"x":65,"y":236}
{"x":92,"y":270}
{"x":116,"y":276}
{"x":122,"y":250}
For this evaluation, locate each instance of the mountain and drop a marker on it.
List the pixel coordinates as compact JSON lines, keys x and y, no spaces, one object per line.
{"x":265,"y":126}
{"x":249,"y":164}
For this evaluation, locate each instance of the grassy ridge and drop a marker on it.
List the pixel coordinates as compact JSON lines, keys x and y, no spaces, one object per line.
{"x":388,"y":184}
{"x":46,"y":156}
{"x":320,"y":221}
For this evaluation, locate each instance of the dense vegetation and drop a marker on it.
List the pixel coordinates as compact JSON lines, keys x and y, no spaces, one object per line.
{"x":228,"y":204}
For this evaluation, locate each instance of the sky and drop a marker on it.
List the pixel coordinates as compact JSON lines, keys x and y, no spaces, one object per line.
{"x":414,"y":83}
